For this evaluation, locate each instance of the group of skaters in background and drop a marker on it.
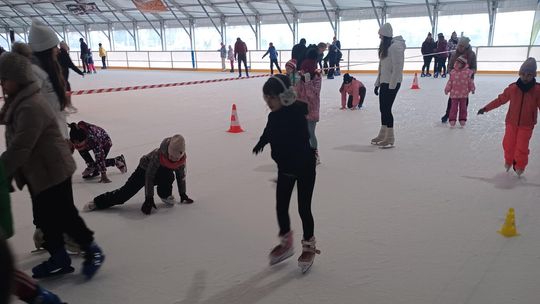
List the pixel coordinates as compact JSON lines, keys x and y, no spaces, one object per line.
{"x":88,"y":61}
{"x":440,"y":50}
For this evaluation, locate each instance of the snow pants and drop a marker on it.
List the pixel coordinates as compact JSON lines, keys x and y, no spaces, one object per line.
{"x":516,"y":145}
{"x":458,"y":105}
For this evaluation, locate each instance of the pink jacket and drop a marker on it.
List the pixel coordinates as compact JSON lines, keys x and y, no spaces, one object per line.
{"x":523,"y":108}
{"x":460,"y":83}
{"x":310,"y":93}
{"x":353,"y":89}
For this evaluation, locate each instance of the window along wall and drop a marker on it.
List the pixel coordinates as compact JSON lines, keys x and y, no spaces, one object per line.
{"x":511,"y":28}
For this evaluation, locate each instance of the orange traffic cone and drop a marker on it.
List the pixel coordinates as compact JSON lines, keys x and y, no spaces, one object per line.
{"x":235,"y":123}
{"x":415,"y":82}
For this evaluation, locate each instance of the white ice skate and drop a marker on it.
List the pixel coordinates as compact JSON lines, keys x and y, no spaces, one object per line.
{"x":282,"y":251}
{"x":169,"y":201}
{"x":308,"y":254}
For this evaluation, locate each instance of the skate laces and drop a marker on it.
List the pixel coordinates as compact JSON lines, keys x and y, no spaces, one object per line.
{"x":309,"y":246}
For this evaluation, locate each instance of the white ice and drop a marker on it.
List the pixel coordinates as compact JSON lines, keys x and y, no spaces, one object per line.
{"x":413,"y":224}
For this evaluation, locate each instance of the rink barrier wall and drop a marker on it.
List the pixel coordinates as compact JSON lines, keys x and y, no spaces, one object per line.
{"x":493,"y":59}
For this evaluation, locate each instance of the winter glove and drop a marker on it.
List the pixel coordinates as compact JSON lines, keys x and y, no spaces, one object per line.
{"x":376,"y":91}
{"x":258,"y":149}
{"x":184,"y":199}
{"x":481,"y":111}
{"x":148,"y":205}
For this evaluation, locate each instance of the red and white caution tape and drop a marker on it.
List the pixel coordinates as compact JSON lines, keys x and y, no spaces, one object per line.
{"x":156,"y":86}
{"x":164,"y":85}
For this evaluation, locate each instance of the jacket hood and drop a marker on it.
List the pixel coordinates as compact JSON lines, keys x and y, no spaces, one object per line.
{"x":12,"y":103}
{"x":399,"y":42}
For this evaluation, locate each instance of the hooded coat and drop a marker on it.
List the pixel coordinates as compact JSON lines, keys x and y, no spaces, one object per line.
{"x":391,"y":67}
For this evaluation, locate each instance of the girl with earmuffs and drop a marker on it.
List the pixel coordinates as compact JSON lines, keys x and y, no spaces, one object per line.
{"x":287,"y":133}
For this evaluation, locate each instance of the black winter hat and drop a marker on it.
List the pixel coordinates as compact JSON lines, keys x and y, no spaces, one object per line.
{"x":347,"y":78}
{"x":75,"y":133}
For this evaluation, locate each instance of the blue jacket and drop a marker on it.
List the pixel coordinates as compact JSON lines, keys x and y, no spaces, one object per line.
{"x":272,"y":51}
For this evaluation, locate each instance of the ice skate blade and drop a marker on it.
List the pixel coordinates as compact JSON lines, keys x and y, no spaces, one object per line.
{"x":305,"y":267}
{"x":59,"y":272}
{"x":386,"y":147}
{"x":281,"y":258}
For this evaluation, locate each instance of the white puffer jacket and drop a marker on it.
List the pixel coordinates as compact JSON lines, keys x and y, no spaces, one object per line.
{"x":391,"y":67}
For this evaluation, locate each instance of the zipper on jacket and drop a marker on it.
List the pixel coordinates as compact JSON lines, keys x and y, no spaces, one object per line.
{"x":521,"y":108}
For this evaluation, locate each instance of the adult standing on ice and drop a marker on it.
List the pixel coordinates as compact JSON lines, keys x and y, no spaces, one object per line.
{"x":463,"y":49}
{"x":240,"y":52}
{"x":428,"y":48}
{"x":392,"y":57}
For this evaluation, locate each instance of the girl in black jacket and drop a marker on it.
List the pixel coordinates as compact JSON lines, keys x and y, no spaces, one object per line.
{"x":287,"y":133}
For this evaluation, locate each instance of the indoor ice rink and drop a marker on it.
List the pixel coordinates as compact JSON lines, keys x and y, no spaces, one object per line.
{"x":417,"y":223}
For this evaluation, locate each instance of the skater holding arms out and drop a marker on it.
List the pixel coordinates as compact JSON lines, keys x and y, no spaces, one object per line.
{"x":287,"y":133}
{"x":524,"y":97}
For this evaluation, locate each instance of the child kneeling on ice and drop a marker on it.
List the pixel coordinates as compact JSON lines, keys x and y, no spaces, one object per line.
{"x":287,"y":133}
{"x":155,"y":168}
{"x":524,"y":97}
{"x":87,"y":137}
{"x":356,"y":91}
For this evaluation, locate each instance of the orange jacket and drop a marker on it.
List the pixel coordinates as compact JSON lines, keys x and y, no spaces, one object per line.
{"x":523,"y":108}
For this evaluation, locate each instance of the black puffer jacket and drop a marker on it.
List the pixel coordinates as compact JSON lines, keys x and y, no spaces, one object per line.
{"x":287,"y":133}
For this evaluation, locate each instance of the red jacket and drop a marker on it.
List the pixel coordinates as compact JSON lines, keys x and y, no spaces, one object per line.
{"x":523,"y":108}
{"x":240,"y":48}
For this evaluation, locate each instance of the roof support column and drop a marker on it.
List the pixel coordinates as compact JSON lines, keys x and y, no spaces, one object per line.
{"x":376,"y":13}
{"x":492,"y":12}
{"x":212,"y":20}
{"x":329,"y":18}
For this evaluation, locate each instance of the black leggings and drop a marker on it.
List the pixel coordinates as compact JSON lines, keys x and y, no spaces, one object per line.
{"x":362,"y":93}
{"x":386,"y":101}
{"x":427,"y":62}
{"x":240,"y":59}
{"x":272,"y":62}
{"x":85,"y":154}
{"x":164,"y":179}
{"x":440,"y":65}
{"x":285,"y":186}
{"x":56,"y":214}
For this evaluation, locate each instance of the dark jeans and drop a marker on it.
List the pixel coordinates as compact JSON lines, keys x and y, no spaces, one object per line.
{"x":104,"y":65}
{"x":284,"y":189}
{"x":362,"y":93}
{"x":272,"y":62}
{"x":386,"y":101}
{"x":240,"y":59}
{"x":332,"y":63}
{"x":427,"y":63}
{"x":440,"y":65}
{"x":56,"y":214}
{"x":84,"y":64}
{"x":449,"y":105}
{"x":164,"y":180}
{"x":85,"y":154}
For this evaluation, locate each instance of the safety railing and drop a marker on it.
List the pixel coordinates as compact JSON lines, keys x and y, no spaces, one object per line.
{"x":494,"y":58}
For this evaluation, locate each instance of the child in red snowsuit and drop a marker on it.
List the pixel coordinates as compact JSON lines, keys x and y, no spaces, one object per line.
{"x":524,"y":97}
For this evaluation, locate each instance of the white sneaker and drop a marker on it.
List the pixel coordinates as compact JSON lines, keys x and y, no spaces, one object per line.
{"x":90,"y":206}
{"x":169,"y":201}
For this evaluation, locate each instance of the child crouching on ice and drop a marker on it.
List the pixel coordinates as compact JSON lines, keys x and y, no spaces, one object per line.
{"x":158,"y":167}
{"x":87,"y":137}
{"x":524,"y":97}
{"x":356,"y":91}
{"x":459,"y":85}
{"x":287,"y":133}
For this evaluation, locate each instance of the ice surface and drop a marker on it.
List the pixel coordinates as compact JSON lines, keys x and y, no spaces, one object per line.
{"x":409,"y":225}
